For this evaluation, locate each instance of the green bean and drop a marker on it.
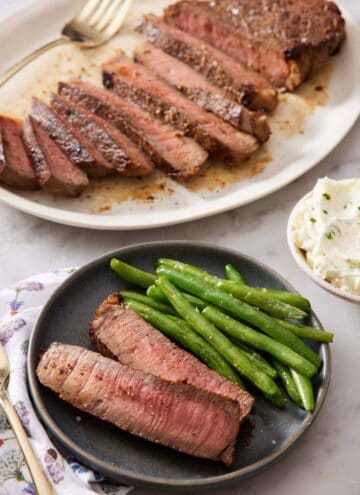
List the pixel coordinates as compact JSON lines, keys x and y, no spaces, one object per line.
{"x":233,"y":274}
{"x":305,"y":389}
{"x":181,"y":333}
{"x":287,"y":297}
{"x":241,"y":291}
{"x":288,"y":381}
{"x":257,"y":359}
{"x":306,"y":332}
{"x":135,"y":296}
{"x":300,"y":330}
{"x":215,"y":338}
{"x":259,"y":341}
{"x":131,"y":274}
{"x":195,"y":285}
{"x":155,"y":293}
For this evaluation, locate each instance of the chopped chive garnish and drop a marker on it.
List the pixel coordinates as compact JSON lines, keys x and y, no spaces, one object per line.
{"x":325,"y":211}
{"x":327,"y":196}
{"x":329,"y":235}
{"x":313,"y":220}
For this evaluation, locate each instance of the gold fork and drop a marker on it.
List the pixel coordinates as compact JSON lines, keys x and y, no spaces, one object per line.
{"x":42,"y":485}
{"x":97,"y":22}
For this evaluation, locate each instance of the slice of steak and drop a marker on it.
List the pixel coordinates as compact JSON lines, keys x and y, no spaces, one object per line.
{"x":87,"y":133}
{"x":203,"y":93}
{"x":241,"y":84}
{"x":112,"y":150}
{"x":134,"y":81}
{"x":132,"y":90}
{"x":284,"y":40}
{"x":56,"y":173}
{"x":122,"y":334}
{"x":179,"y":156}
{"x":61,"y":135}
{"x":177,"y":415}
{"x":15,"y":164}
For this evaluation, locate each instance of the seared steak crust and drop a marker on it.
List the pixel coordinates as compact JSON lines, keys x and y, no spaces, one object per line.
{"x":158,"y":108}
{"x":89,"y":135}
{"x":60,"y":134}
{"x":113,"y":150}
{"x":118,"y":331}
{"x":15,"y":165}
{"x":226,"y":142}
{"x":241,"y":84}
{"x":100,"y":103}
{"x":174,"y":414}
{"x":286,"y":40}
{"x":179,"y":156}
{"x":202,"y":93}
{"x":55,"y":172}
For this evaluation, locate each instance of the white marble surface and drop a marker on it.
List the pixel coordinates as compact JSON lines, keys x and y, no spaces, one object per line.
{"x":326,"y":461}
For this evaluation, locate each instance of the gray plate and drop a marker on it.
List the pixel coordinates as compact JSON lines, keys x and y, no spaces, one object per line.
{"x":125,"y":458}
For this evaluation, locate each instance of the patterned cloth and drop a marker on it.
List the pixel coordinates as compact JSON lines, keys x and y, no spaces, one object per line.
{"x":19,"y":307}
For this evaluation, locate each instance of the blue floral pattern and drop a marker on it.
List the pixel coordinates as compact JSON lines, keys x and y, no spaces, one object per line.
{"x":8,"y":330}
{"x":23,"y":414}
{"x":19,"y":307}
{"x":29,"y":489}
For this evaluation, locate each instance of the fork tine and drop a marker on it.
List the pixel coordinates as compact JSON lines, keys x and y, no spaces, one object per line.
{"x":108,"y":15}
{"x":87,"y":10}
{"x":100,"y":11}
{"x":118,"y":19}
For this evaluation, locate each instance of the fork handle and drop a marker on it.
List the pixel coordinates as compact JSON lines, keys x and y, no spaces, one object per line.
{"x":42,"y":485}
{"x":29,"y":58}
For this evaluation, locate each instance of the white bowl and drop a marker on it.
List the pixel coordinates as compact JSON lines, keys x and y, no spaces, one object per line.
{"x":299,"y":257}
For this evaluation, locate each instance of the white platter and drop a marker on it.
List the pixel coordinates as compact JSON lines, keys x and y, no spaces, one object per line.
{"x":306,"y":127}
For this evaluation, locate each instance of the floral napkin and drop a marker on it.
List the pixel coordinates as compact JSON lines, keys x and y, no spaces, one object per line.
{"x":19,"y":308}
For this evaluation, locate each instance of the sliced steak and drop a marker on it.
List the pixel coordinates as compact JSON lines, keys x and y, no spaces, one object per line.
{"x":181,"y":157}
{"x":111,"y":149}
{"x":241,"y":84}
{"x":15,"y":164}
{"x":201,"y":92}
{"x":56,"y":173}
{"x":61,"y":135}
{"x":134,"y":81}
{"x":284,"y":40}
{"x":174,"y":414}
{"x":121,"y":333}
{"x":87,"y":133}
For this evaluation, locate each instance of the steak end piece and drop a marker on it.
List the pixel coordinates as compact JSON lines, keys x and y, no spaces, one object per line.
{"x":239,"y":83}
{"x":15,"y":165}
{"x":118,"y":332}
{"x":284,"y":40}
{"x":176,"y":415}
{"x":56,"y":173}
